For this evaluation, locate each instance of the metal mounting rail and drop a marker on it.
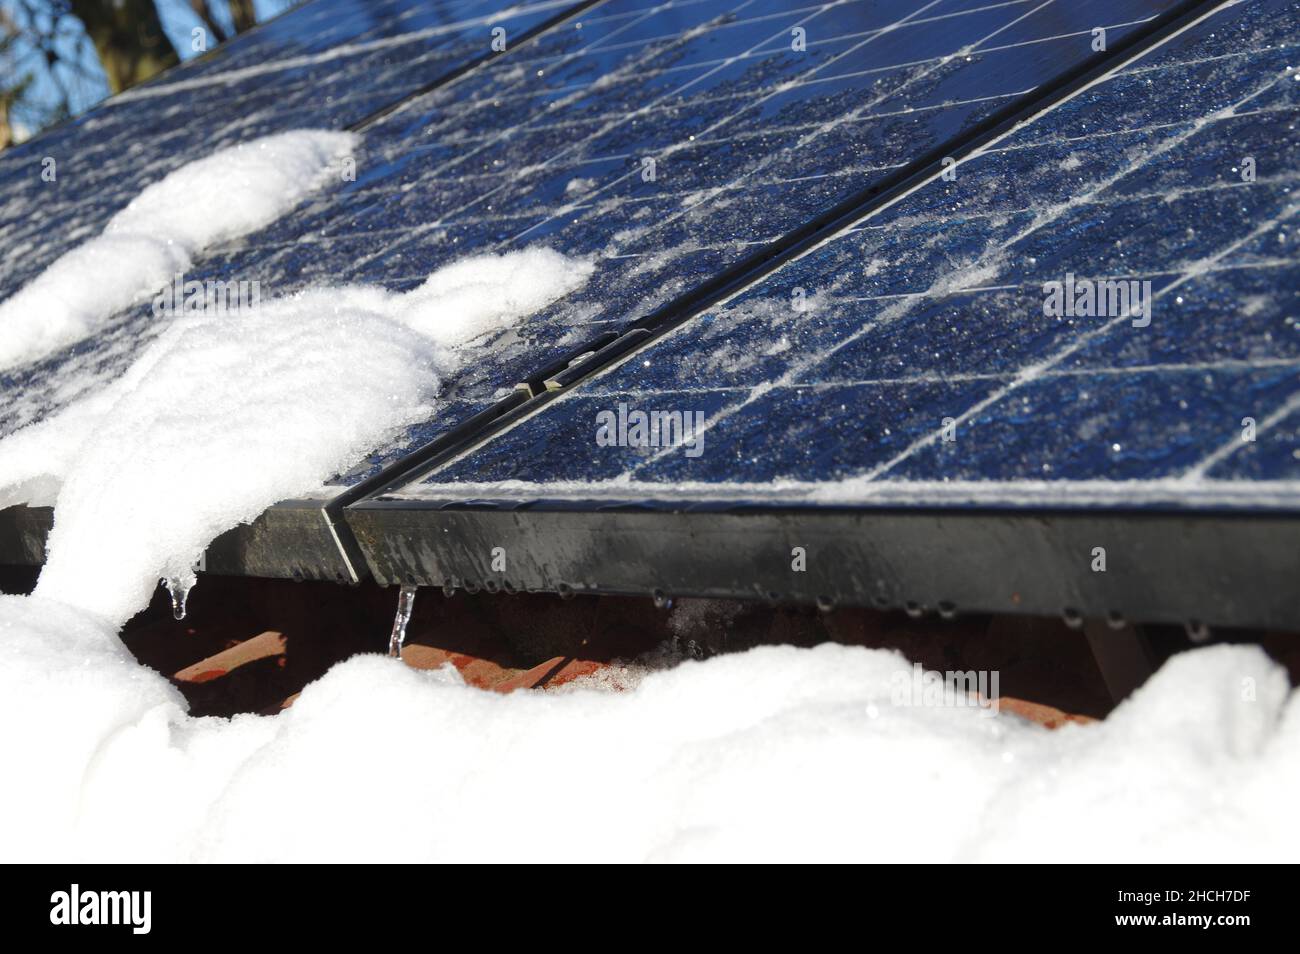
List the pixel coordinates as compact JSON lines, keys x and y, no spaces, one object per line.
{"x":1198,"y":568}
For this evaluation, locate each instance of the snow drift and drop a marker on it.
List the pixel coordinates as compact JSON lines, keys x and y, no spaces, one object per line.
{"x":779,"y":753}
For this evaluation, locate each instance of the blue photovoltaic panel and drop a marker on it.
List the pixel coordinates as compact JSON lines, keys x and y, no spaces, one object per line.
{"x":932,"y":313}
{"x":326,"y":65}
{"x":750,"y":139}
{"x":547,"y":145}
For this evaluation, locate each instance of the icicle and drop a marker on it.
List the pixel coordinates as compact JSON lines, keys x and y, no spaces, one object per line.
{"x":179,"y":591}
{"x":405,"y":602}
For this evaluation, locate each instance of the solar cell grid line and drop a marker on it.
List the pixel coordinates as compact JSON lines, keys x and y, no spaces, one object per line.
{"x":523,"y":87}
{"x":563,"y":13}
{"x":819,"y":130}
{"x":554,"y":157}
{"x":697,"y":137}
{"x":1033,"y":372}
{"x":115,"y":102}
{"x":588,"y":222}
{"x":835,"y":39}
{"x":354,"y":31}
{"x":405,"y":149}
{"x":781,"y":33}
{"x":35,"y":392}
{"x":171,"y":82}
{"x":1197,"y":267}
{"x":1225,"y":451}
{"x":42,"y":389}
{"x":724,"y":276}
{"x":628,"y":21}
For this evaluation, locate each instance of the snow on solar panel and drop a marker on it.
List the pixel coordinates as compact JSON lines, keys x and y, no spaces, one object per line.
{"x":328,"y":63}
{"x":913,"y":360}
{"x":107,"y":155}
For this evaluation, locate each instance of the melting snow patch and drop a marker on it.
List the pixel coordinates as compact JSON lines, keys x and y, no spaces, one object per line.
{"x":229,"y":412}
{"x":226,"y":195}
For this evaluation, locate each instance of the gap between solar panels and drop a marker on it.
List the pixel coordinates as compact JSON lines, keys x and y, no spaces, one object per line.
{"x":612,"y":348}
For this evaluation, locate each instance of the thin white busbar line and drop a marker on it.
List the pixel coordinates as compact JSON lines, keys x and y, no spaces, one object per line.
{"x":1228,"y":448}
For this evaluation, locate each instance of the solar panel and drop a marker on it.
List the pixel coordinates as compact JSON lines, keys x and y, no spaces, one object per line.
{"x":900,"y":355}
{"x":554,"y":149}
{"x":909,"y":368}
{"x":920,"y":367}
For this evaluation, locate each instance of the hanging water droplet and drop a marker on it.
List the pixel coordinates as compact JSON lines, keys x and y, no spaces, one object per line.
{"x":449,"y":587}
{"x":947,"y":609}
{"x":825,"y":604}
{"x":405,"y":603}
{"x":179,"y":591}
{"x":1197,"y":631}
{"x":913,"y":609}
{"x":662,"y":600}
